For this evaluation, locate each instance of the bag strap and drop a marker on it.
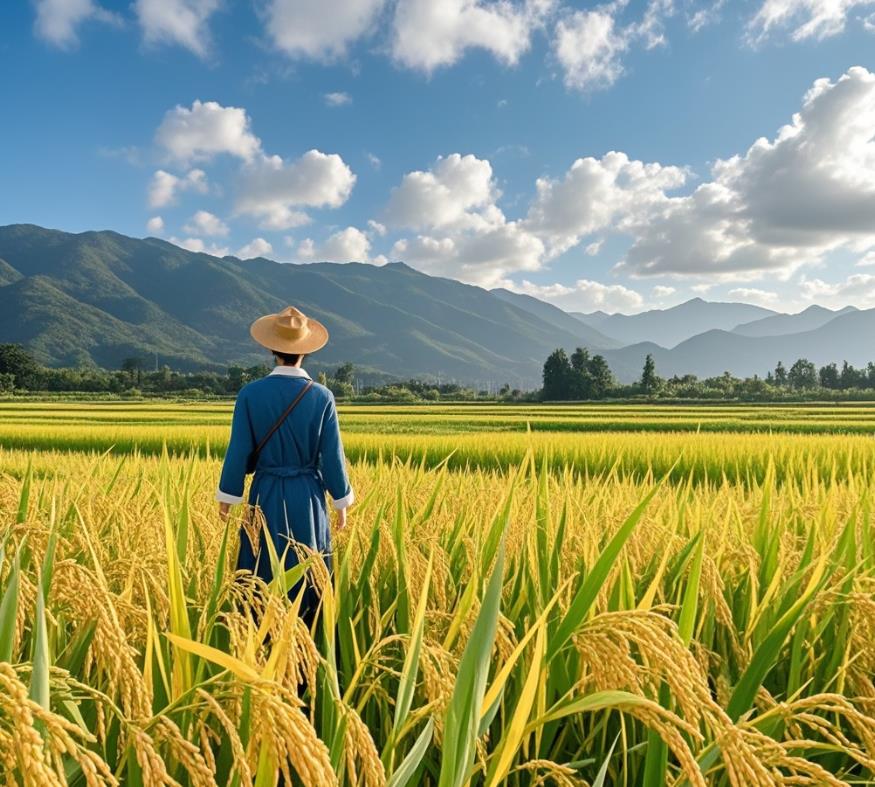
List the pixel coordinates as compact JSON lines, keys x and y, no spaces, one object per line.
{"x":282,"y":418}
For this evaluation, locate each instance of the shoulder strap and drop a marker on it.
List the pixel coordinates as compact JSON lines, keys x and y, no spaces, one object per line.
{"x":283,"y":417}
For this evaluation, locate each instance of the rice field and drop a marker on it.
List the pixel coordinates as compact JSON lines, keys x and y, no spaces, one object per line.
{"x":523,"y":596}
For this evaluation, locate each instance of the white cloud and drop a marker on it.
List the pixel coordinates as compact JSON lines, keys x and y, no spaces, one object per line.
{"x":257,"y":247}
{"x":589,"y":47}
{"x":857,"y":290}
{"x":205,"y":223}
{"x":428,"y":34}
{"x":584,"y":295}
{"x":592,"y":249}
{"x":348,"y":245}
{"x":463,"y":233}
{"x":57,"y":21}
{"x":786,"y":202}
{"x":483,"y":257}
{"x":663,"y":291}
{"x":273,"y":190}
{"x":319,"y":29}
{"x":816,"y":19}
{"x":198,"y":245}
{"x":590,"y":44}
{"x":702,"y":16}
{"x":377,"y":227}
{"x":206,"y":130}
{"x":596,"y":194}
{"x":374,"y":161}
{"x":337,"y":99}
{"x":182,"y":22}
{"x":754,"y":295}
{"x":458,"y":192}
{"x":866,"y":260}
{"x":165,"y":187}
{"x":155,"y":225}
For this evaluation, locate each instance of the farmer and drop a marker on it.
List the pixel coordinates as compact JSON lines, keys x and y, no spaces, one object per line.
{"x":285,"y":430}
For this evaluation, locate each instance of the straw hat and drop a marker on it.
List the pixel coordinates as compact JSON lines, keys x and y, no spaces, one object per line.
{"x":290,"y":331}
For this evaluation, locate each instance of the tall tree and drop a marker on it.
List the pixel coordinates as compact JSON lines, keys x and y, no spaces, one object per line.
{"x":780,"y":374}
{"x":579,"y":359}
{"x":829,"y":376}
{"x":649,"y":379}
{"x":557,"y":376}
{"x":18,"y":362}
{"x":802,"y":374}
{"x":601,"y":377}
{"x":343,"y":373}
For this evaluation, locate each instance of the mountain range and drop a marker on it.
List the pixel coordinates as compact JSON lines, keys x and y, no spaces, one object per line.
{"x":100,"y":297}
{"x":669,"y":327}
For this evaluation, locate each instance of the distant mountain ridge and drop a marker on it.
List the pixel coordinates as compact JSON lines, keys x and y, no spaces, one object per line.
{"x":669,"y":327}
{"x":556,"y":317}
{"x":847,"y":337}
{"x":98,"y":297}
{"x":783,"y":324}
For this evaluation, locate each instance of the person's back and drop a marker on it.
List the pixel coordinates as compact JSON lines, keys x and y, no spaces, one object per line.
{"x":299,"y":460}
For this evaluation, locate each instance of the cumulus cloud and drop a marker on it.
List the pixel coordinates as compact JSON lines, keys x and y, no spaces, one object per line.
{"x":206,"y":130}
{"x":866,"y":260}
{"x":58,"y":21}
{"x":337,"y":99}
{"x":584,"y":295}
{"x":857,"y":289}
{"x":462,"y":231}
{"x":786,"y":202}
{"x":257,"y":247}
{"x":596,"y":194}
{"x":662,"y":291}
{"x":755,"y":295}
{"x":155,"y":225}
{"x":483,"y":257}
{"x":181,"y":22}
{"x":205,"y":223}
{"x":274,"y":190}
{"x":458,"y":192}
{"x":198,"y":245}
{"x":428,"y":34}
{"x":347,"y":245}
{"x":377,"y":227}
{"x":590,"y":44}
{"x":806,"y":19}
{"x":165,"y":186}
{"x":319,"y":29}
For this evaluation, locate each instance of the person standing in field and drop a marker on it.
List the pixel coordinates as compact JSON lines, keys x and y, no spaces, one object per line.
{"x":285,"y":430}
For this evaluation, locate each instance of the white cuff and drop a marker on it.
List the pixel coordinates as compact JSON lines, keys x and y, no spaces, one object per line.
{"x":343,"y":502}
{"x":224,"y":497}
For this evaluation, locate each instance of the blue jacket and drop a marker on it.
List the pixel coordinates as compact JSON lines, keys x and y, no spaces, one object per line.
{"x":300,"y":462}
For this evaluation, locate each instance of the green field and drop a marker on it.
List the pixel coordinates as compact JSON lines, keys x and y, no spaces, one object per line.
{"x":525,"y":595}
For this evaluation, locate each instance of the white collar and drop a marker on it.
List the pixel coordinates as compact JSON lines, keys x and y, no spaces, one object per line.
{"x":290,"y":371}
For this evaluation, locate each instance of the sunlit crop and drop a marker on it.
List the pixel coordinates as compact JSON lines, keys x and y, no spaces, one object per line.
{"x":508,"y":607}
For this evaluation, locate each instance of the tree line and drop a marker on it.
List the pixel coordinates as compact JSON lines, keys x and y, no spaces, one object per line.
{"x":586,"y":377}
{"x":21,"y":374}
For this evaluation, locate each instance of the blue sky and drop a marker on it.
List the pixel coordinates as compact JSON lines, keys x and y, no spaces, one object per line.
{"x":563,"y":149}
